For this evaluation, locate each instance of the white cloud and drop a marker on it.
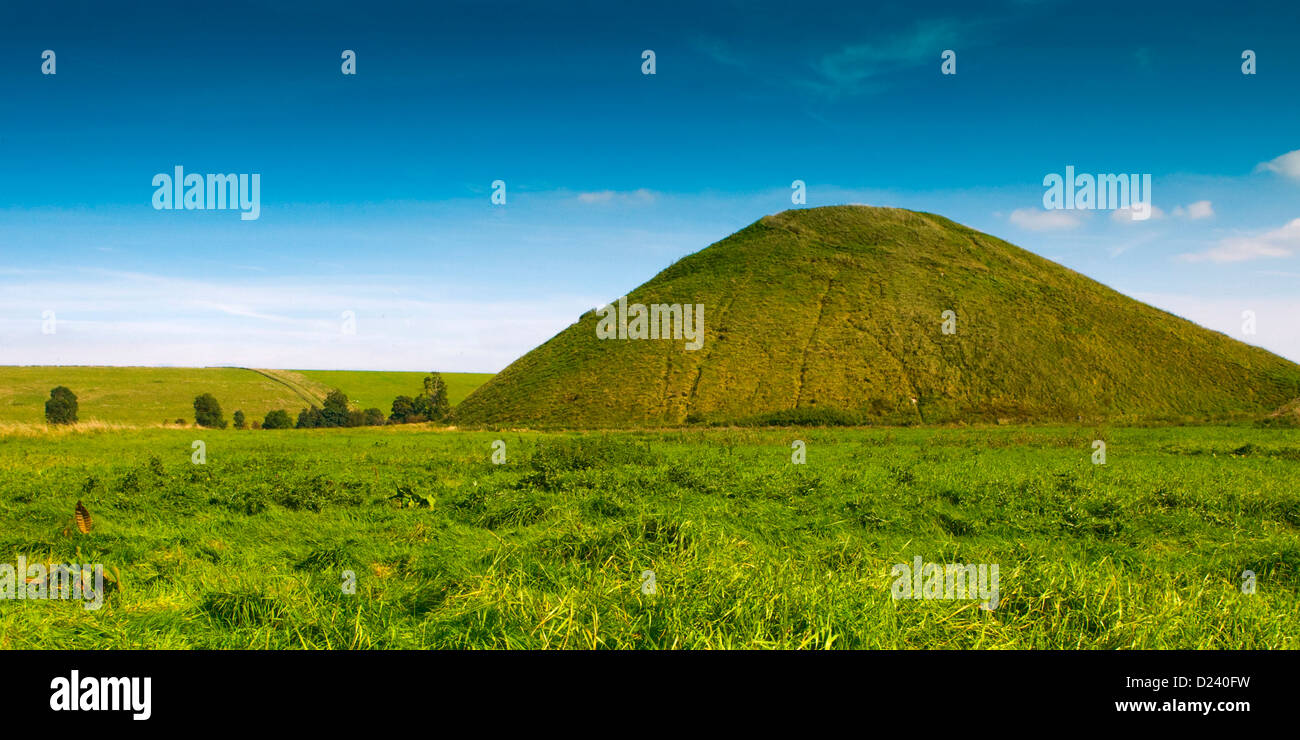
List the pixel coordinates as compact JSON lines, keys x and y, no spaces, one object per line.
{"x":640,"y":195}
{"x":1287,"y":165}
{"x":1195,"y":211}
{"x":1281,"y":242}
{"x":1126,"y":215}
{"x":1037,"y":219}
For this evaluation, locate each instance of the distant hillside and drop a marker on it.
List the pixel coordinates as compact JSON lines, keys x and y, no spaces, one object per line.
{"x":150,"y":395}
{"x":378,"y":389}
{"x":838,"y":311}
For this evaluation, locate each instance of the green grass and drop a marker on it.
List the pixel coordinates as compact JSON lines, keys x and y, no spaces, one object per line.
{"x":139,"y":395}
{"x":146,"y":396}
{"x":841,"y":309}
{"x":377,"y":389}
{"x":749,"y":550}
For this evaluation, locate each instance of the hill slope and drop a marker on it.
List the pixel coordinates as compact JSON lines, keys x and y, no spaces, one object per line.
{"x":841,"y":308}
{"x":368,"y":388}
{"x":149,"y":396}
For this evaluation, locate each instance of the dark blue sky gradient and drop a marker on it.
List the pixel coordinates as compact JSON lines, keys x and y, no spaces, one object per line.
{"x":452,"y":95}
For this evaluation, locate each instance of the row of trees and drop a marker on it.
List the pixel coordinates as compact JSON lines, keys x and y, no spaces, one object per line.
{"x":336,"y":411}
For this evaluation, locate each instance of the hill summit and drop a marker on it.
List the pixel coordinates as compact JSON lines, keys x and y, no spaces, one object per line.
{"x":877,"y":314}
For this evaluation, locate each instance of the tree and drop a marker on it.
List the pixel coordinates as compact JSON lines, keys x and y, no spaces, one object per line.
{"x":310,"y":418}
{"x":239,"y":420}
{"x":278,"y":419}
{"x":374,"y":418}
{"x":207,"y":412}
{"x":403,"y":410}
{"x":62,"y":407}
{"x":432,"y":404}
{"x":335,"y":413}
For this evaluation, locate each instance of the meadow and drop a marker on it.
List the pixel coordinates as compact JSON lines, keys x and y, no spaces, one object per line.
{"x":150,"y":396}
{"x":447,"y":550}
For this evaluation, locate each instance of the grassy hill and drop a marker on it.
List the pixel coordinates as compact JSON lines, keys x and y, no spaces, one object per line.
{"x":836,"y":313}
{"x":152,"y":395}
{"x":368,"y":388}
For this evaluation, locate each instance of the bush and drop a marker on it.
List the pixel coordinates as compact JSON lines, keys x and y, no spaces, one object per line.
{"x":278,"y":419}
{"x":62,"y":407}
{"x":404,"y":411}
{"x":336,"y":413}
{"x":207,"y":412}
{"x":374,"y":418}
{"x":239,"y":420}
{"x":310,"y":418}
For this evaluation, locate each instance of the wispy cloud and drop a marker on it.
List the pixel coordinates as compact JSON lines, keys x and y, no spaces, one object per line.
{"x":123,"y":318}
{"x":867,"y":67}
{"x":1195,"y":211}
{"x":720,"y":51}
{"x":861,"y":66}
{"x":640,"y":195}
{"x":1201,"y":209}
{"x":1281,"y":242}
{"x":1037,"y":219}
{"x":1287,"y":165}
{"x":1129,"y":215}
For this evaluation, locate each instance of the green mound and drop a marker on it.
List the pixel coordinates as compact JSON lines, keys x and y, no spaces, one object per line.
{"x":838,"y":313}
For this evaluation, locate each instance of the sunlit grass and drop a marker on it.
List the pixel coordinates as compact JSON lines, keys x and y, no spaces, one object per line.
{"x":748,"y":550}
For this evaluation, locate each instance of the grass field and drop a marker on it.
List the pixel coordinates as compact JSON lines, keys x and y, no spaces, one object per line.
{"x":378,"y":389}
{"x":748,"y":550}
{"x":146,"y":396}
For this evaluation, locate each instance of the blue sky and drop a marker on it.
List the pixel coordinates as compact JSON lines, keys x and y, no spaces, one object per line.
{"x":375,"y":188}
